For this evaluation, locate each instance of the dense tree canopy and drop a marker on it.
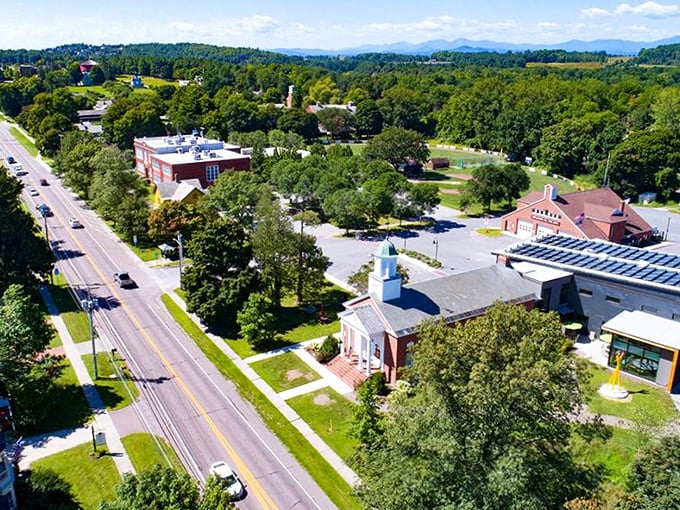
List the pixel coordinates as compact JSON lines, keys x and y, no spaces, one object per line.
{"x":486,"y":423}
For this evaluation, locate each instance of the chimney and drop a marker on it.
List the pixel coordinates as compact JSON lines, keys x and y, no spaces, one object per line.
{"x":622,"y":205}
{"x":550,"y":192}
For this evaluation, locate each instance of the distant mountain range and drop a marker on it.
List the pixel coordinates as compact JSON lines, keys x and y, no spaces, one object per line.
{"x":610,"y":46}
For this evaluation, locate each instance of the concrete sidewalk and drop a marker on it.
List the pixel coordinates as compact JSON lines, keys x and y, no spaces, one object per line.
{"x":48,"y":444}
{"x":279,"y":402}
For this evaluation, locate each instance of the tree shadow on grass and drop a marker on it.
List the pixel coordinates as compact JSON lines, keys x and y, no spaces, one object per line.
{"x":44,"y":489}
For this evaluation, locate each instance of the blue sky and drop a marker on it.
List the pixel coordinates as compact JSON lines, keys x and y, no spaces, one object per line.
{"x":329,"y":24}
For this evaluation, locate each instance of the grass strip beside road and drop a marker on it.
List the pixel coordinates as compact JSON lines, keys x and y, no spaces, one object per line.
{"x":328,"y":479}
{"x":147,"y":450}
{"x":25,"y":142}
{"x":92,"y":479}
{"x":115,"y":392}
{"x":74,"y":317}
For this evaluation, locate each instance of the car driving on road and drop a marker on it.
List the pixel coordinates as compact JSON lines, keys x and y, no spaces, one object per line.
{"x":75,"y":223}
{"x":32,"y":191}
{"x":122,"y":278}
{"x":44,"y":210}
{"x":228,"y":480}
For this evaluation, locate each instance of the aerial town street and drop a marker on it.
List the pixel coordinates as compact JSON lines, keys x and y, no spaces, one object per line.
{"x":197,"y":410}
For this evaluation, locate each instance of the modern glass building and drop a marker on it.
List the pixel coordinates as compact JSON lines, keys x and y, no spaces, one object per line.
{"x":650,"y":344}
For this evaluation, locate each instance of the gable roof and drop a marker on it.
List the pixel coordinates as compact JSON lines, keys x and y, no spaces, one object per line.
{"x":453,"y":297}
{"x":178,"y":191}
{"x":597,"y":205}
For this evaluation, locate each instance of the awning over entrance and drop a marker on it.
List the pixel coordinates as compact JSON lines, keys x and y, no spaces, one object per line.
{"x":647,"y":328}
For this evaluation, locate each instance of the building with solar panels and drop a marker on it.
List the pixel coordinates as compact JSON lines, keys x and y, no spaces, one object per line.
{"x":628,"y":295}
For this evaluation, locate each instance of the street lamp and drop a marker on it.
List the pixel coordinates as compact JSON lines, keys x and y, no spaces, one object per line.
{"x":181,"y":256}
{"x":89,"y":305}
{"x":436,"y":249}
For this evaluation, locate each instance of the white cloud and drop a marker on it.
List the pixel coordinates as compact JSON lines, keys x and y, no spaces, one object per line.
{"x":649,"y":9}
{"x":258,"y":24}
{"x":594,"y":12}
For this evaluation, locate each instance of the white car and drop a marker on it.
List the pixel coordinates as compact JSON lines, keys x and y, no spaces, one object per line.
{"x":228,"y":480}
{"x":33,"y":192}
{"x":74,"y":223}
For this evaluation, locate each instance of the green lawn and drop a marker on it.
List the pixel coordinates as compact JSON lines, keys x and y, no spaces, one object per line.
{"x":115,"y":392}
{"x":92,"y":479}
{"x":615,"y":454}
{"x":490,"y":232}
{"x":649,"y":405}
{"x":74,"y":317}
{"x":328,"y":479}
{"x":329,"y":414}
{"x":146,"y":253}
{"x":97,"y":90}
{"x":284,"y":371}
{"x":70,"y":407}
{"x":538,"y":182}
{"x":146,"y":450}
{"x":25,"y":142}
{"x":149,"y":81}
{"x":460,"y":160}
{"x":298,"y":323}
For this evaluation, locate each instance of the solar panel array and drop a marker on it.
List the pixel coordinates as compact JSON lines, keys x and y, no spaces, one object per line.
{"x":637,"y":263}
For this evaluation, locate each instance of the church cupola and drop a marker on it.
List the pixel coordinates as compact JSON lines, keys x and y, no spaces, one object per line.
{"x":384,"y":282}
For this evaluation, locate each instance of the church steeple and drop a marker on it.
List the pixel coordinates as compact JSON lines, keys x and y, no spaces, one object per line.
{"x":384,"y":282}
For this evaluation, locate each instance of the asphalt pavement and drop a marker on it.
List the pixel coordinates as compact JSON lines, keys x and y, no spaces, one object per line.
{"x":200,"y":413}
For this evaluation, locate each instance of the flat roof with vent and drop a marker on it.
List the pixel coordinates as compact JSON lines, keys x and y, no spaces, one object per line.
{"x":642,"y":266}
{"x":175,"y":158}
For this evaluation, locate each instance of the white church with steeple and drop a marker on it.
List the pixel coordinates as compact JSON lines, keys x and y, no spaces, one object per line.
{"x":378,"y":329}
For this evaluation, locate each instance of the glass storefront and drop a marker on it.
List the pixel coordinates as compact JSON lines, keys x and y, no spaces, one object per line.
{"x":640,"y":359}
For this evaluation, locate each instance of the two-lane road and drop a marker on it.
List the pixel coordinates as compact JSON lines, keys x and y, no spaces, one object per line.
{"x":200,"y":412}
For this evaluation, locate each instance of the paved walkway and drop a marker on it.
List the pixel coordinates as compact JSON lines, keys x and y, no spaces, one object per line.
{"x":328,"y":380}
{"x":54,"y":442}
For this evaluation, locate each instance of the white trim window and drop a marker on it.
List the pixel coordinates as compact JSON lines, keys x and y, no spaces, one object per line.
{"x":212,"y":172}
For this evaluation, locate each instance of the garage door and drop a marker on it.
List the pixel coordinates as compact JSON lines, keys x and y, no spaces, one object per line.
{"x":543,"y":231}
{"x":524,"y":229}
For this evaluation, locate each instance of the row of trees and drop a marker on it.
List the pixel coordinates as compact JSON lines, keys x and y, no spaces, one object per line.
{"x":27,"y":374}
{"x":568,"y":120}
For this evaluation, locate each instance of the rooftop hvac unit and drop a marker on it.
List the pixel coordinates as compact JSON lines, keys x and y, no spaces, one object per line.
{"x":197,"y":155}
{"x":179,"y":150}
{"x":213,"y":155}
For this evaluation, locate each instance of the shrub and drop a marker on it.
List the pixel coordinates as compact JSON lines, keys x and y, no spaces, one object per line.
{"x":327,"y":350}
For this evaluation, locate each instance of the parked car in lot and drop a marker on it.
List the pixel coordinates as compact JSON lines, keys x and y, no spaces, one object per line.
{"x":75,"y":223}
{"x":122,"y":278}
{"x":227,"y":479}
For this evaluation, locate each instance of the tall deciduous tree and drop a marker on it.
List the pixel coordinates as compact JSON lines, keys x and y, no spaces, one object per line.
{"x":219,"y":280}
{"x":487,"y":424}
{"x":397,"y":145}
{"x":236,"y":194}
{"x":23,"y":253}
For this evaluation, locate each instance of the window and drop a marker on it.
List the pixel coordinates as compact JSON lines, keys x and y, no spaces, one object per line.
{"x":639,"y":358}
{"x":564,"y":294}
{"x":585,"y":292}
{"x":167,"y":170}
{"x":155,"y":165}
{"x":409,"y":356}
{"x":212,"y":172}
{"x":612,"y":299}
{"x":650,"y":309}
{"x":139,"y":153}
{"x":676,"y":317}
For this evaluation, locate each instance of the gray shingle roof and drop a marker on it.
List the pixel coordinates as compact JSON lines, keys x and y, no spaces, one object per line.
{"x":452,"y":297}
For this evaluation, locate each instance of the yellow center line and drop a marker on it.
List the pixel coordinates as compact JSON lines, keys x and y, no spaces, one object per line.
{"x":251,"y":481}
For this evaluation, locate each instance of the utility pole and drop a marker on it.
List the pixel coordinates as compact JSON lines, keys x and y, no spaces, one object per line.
{"x":89,"y":305}
{"x":181,"y":256}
